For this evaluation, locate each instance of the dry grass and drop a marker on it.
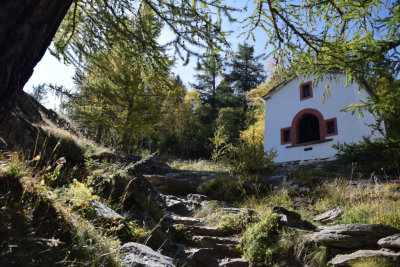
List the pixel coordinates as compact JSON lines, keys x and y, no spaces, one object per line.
{"x":87,"y":145}
{"x":198,"y":165}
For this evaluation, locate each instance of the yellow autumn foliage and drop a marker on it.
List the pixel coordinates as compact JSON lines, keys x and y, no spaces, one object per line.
{"x":254,"y":134}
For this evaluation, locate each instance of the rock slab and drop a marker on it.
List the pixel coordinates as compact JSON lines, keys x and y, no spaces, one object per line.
{"x":347,"y":259}
{"x":329,"y":215}
{"x":392,"y":242}
{"x":138,"y":255}
{"x":353,"y":235}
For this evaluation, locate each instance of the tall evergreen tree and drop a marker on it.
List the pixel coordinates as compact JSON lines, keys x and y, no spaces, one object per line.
{"x":246,"y":71}
{"x":206,"y":77}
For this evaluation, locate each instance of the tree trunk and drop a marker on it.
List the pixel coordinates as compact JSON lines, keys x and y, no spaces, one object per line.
{"x":26,"y":30}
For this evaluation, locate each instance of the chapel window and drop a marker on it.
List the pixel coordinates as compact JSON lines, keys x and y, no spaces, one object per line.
{"x":306,"y":91}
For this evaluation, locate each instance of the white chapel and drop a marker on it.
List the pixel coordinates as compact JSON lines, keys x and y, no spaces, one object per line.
{"x":303,"y":124}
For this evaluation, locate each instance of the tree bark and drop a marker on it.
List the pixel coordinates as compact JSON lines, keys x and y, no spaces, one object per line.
{"x":26,"y":30}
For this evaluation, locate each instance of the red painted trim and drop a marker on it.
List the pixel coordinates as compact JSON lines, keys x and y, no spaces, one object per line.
{"x":283,"y":130}
{"x":296,"y":121}
{"x":302,"y":89}
{"x":335,"y":124}
{"x":294,"y":128}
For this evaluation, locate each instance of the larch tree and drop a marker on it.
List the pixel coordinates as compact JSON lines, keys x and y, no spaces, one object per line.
{"x":313,"y":36}
{"x":120,"y":89}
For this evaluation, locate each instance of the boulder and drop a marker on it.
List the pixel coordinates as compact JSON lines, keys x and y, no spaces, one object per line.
{"x":235,"y":262}
{"x":200,"y":257}
{"x":156,"y":239}
{"x":198,"y":198}
{"x":103,"y":212}
{"x":392,"y":242}
{"x":176,"y":204}
{"x":292,"y":219}
{"x":156,"y":180}
{"x":206,"y":230}
{"x":347,"y":259}
{"x":138,"y":255}
{"x":352,"y":235}
{"x":329,"y":215}
{"x":212,"y":241}
{"x":182,"y":220}
{"x":180,"y":186}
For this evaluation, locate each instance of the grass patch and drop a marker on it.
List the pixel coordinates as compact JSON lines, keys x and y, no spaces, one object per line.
{"x":222,"y":188}
{"x":207,"y":209}
{"x":198,"y":165}
{"x":308,"y":177}
{"x":86,"y":145}
{"x":230,"y":222}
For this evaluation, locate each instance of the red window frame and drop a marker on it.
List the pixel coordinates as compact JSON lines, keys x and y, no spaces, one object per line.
{"x":302,"y":86}
{"x":283,"y":130}
{"x":334,"y":120}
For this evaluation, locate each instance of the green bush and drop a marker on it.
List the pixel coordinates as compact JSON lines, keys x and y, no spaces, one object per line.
{"x":259,"y":240}
{"x":229,"y":222}
{"x":250,"y":159}
{"x":380,"y":155}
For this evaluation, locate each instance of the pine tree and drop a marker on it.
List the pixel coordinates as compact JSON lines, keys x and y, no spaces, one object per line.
{"x":207,"y":80}
{"x":246,"y":71}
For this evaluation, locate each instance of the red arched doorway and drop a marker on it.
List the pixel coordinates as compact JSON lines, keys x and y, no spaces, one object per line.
{"x":308,"y":125}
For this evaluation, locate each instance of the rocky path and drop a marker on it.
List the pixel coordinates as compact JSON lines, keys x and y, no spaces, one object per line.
{"x":194,"y":241}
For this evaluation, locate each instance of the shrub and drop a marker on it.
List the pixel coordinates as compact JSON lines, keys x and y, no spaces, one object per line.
{"x":259,"y":239}
{"x":79,"y":194}
{"x":250,"y":159}
{"x":231,"y":222}
{"x":382,"y":154}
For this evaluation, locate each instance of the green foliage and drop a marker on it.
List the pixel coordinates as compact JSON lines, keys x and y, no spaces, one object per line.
{"x":207,"y":76}
{"x":259,"y":239}
{"x":221,"y":188}
{"x":91,"y":25}
{"x":380,"y":155}
{"x":119,"y":90}
{"x":229,"y":222}
{"x":246,"y":71}
{"x":207,"y":209}
{"x":182,"y":131}
{"x":79,"y":194}
{"x":198,"y":165}
{"x":251,"y":159}
{"x":39,"y":92}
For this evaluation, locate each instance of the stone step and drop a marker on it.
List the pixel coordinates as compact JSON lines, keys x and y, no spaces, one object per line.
{"x":223,"y":246}
{"x":392,"y":258}
{"x":234,"y":262}
{"x":182,"y":220}
{"x":211,"y":257}
{"x":205,"y":230}
{"x":198,"y":257}
{"x":211,"y":241}
{"x":172,"y":186}
{"x":156,"y":180}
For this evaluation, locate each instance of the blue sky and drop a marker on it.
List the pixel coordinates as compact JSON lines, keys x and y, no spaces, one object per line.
{"x":50,"y":70}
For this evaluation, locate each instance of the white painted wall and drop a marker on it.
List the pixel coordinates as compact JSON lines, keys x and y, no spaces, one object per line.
{"x":284,"y":104}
